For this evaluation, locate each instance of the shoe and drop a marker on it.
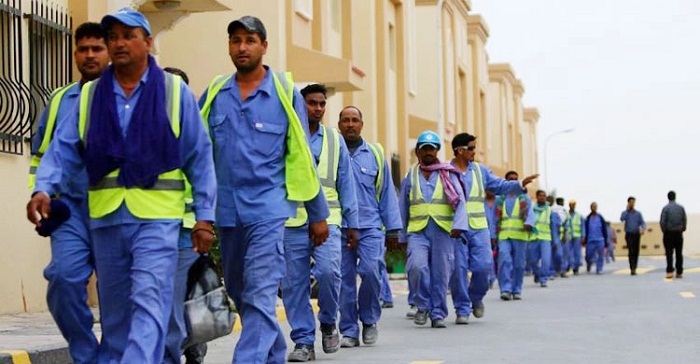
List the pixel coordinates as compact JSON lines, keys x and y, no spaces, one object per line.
{"x":537,"y":279}
{"x":421,"y":317}
{"x":330,"y":339}
{"x":633,"y":272}
{"x":679,"y":276}
{"x":369,"y":334}
{"x":599,"y":273}
{"x":462,"y":320}
{"x":478,"y":310}
{"x":669,"y":275}
{"x":438,"y":324}
{"x":387,"y":304}
{"x":505,"y":296}
{"x":195,"y":354}
{"x":543,"y":284}
{"x":349,"y":342}
{"x":588,"y":268}
{"x":411,"y":312}
{"x":564,"y":275}
{"x":301,"y":354}
{"x":517,"y":297}
{"x":575,"y":272}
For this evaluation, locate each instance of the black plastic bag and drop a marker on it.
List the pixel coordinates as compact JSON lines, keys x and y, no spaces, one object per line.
{"x":208,"y":312}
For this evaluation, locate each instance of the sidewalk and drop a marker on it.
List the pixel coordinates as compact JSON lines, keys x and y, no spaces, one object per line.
{"x":33,"y":338}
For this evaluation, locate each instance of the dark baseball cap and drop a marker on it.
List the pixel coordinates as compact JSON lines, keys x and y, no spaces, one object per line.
{"x":250,"y":23}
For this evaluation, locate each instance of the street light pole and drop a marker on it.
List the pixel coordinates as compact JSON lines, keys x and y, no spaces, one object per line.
{"x":546,"y":143}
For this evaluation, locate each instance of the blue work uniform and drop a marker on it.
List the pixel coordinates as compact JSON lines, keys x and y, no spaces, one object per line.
{"x":539,"y":252}
{"x":430,"y":261}
{"x":575,"y":244}
{"x":597,"y":235}
{"x":477,"y":255}
{"x":512,"y":252}
{"x":135,"y":258}
{"x":298,"y":251}
{"x":71,"y":262}
{"x":377,"y":210}
{"x":490,"y":210}
{"x":249,"y":138}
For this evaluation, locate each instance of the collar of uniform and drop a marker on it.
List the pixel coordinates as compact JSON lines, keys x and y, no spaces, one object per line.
{"x":74,"y":91}
{"x":320,"y":131}
{"x":267,"y":85}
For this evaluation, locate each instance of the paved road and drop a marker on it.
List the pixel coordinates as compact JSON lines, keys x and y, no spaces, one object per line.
{"x":611,"y":318}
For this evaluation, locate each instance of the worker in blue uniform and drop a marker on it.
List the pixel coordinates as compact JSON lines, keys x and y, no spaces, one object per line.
{"x":477,"y":255}
{"x":378,"y":216}
{"x":577,"y":229}
{"x":432,"y":206}
{"x":136,"y":194}
{"x":515,"y":221}
{"x":71,"y":262}
{"x":545,"y":235}
{"x":338,"y":184}
{"x":596,"y":236}
{"x":264,"y":168}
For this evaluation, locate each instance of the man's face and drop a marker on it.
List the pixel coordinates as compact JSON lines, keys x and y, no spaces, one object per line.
{"x":468,"y":152}
{"x":350,"y":124}
{"x":315,"y":106}
{"x":427,"y":154}
{"x":630,"y":204}
{"x":91,"y":57}
{"x":594,"y":207}
{"x":572,"y":207}
{"x":127,"y":45}
{"x":541,"y":198}
{"x":246,"y":50}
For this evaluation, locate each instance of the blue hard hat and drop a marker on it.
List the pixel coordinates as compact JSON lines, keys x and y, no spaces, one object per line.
{"x":428,"y":137}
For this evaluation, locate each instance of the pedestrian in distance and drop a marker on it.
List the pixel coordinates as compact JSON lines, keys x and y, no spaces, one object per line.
{"x":595,"y":240}
{"x":577,"y":229}
{"x":634,"y":229}
{"x":673,"y":224}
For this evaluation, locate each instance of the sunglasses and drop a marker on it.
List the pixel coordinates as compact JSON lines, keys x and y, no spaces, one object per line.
{"x":471,"y":149}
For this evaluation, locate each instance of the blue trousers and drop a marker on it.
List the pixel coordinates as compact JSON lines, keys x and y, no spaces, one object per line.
{"x":459,"y":287}
{"x":253,"y":260}
{"x":296,"y":293}
{"x":477,"y":257}
{"x":565,"y":255}
{"x":557,"y":259}
{"x":67,"y":274}
{"x":430,"y":261}
{"x":539,"y":258}
{"x":575,"y":255}
{"x":385,"y":294}
{"x":177,"y":330}
{"x":362,"y":304}
{"x":594,"y":253}
{"x":511,"y":265}
{"x":136,"y":265}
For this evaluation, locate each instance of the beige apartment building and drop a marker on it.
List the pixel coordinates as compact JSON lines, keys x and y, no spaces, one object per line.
{"x":409,"y":65}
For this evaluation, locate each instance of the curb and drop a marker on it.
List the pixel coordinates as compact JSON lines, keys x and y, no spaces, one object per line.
{"x":44,"y":355}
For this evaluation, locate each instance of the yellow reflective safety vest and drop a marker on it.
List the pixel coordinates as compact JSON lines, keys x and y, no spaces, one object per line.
{"x":54,"y":104}
{"x":301,"y":178}
{"x":512,"y":226}
{"x":378,"y":152}
{"x":575,"y":223}
{"x":328,"y":163}
{"x":420,"y":211}
{"x":188,"y":220}
{"x":544,"y":231}
{"x":475,"y":202}
{"x":166,"y":199}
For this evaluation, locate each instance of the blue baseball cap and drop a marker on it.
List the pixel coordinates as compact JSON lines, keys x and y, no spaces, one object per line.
{"x":128,"y":17}
{"x":430,"y":138}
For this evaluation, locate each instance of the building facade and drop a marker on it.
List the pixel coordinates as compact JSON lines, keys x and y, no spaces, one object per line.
{"x":409,"y":66}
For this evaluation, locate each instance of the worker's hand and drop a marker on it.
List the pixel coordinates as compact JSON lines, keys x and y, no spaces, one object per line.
{"x":493,"y":243}
{"x":455,"y":233}
{"x":527,"y":227}
{"x":642,"y":231}
{"x":583,"y":242}
{"x":353,"y":238}
{"x":39,"y":207}
{"x":203,"y":236}
{"x":392,"y":243}
{"x":526,"y":181}
{"x":318,"y":232}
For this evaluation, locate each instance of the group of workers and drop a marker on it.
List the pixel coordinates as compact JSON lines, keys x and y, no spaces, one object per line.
{"x":145,"y":171}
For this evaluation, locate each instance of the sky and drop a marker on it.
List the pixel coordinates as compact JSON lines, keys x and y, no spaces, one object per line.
{"x":626,"y":75}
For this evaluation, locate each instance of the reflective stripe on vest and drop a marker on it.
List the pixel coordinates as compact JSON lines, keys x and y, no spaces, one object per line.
{"x":54,"y":104}
{"x":475,"y":202}
{"x":165,"y":200}
{"x":512,"y":226}
{"x":544,"y":230}
{"x":420,"y":211}
{"x":301,"y":178}
{"x":575,"y":225}
{"x":378,"y":152}
{"x":328,"y":173}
